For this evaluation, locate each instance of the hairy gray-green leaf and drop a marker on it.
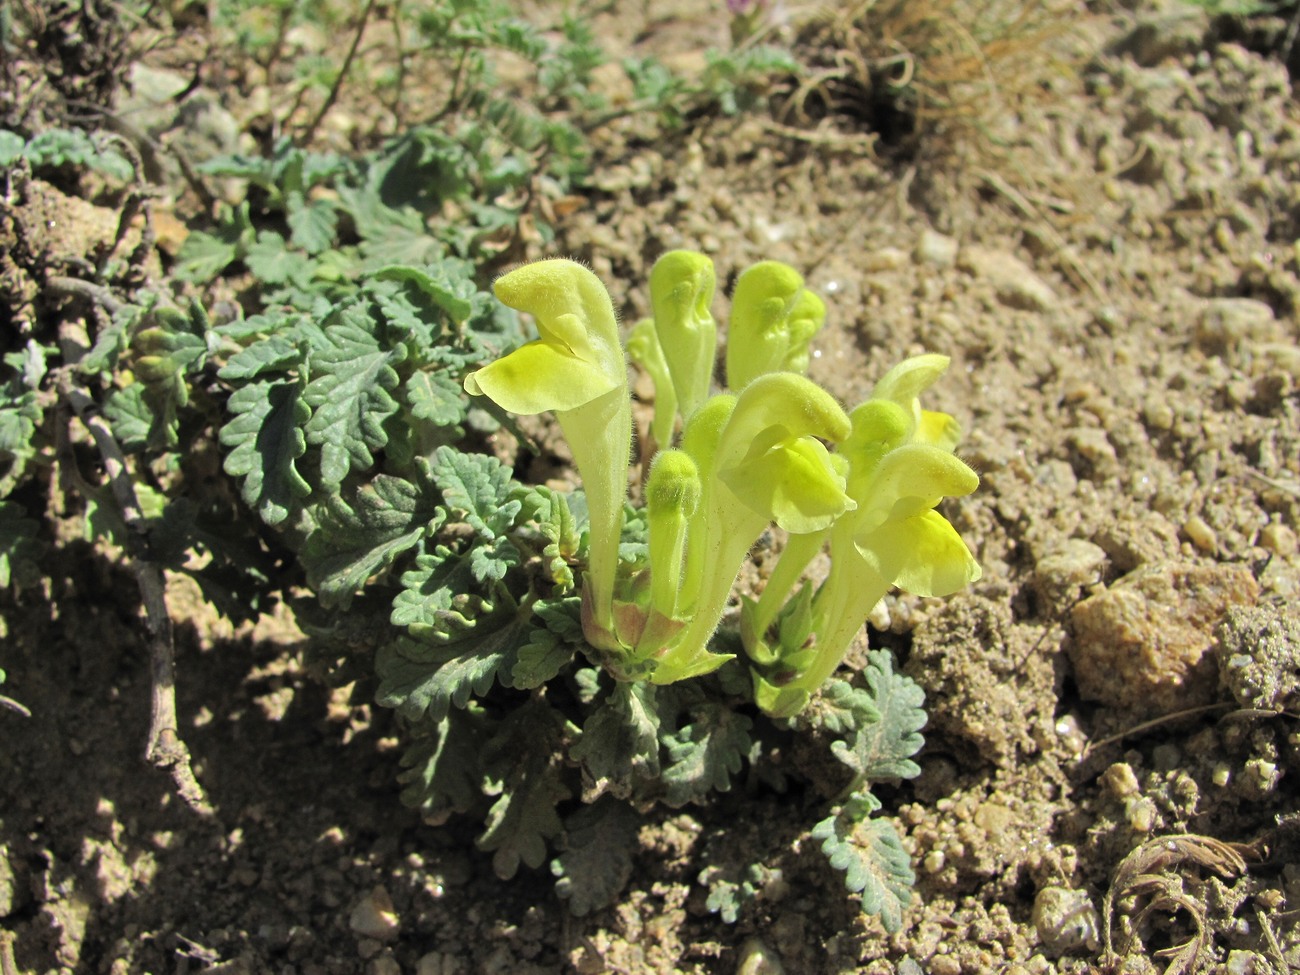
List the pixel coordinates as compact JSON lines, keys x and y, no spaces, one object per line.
{"x":454,"y":295}
{"x":313,"y":225}
{"x":351,"y":396}
{"x":871,"y":856}
{"x":441,"y":771}
{"x":277,"y":353}
{"x":883,"y":749}
{"x":842,"y":708}
{"x":204,"y":255}
{"x":273,"y":262}
{"x":620,"y":740}
{"x":478,"y":486}
{"x":540,"y":659}
{"x":436,"y":397}
{"x":18,"y":546}
{"x":706,"y":753}
{"x":521,"y":762}
{"x":596,"y":864}
{"x":364,"y":530}
{"x":548,"y":513}
{"x":440,"y":583}
{"x":267,"y":439}
{"x":418,"y":677}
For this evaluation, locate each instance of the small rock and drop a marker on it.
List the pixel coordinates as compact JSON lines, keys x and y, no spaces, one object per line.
{"x":1095,"y":451}
{"x":936,"y":250}
{"x":757,"y":958}
{"x":1279,"y":539}
{"x":1226,"y":323}
{"x":374,"y":916}
{"x":1066,"y":920}
{"x":1142,"y":646}
{"x":1201,"y":534}
{"x":1014,"y":283}
{"x":437,"y":963}
{"x":884,"y":259}
{"x":384,"y":965}
{"x":1067,"y":571}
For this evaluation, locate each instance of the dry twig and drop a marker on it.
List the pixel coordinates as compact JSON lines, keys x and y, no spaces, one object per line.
{"x":164,"y":749}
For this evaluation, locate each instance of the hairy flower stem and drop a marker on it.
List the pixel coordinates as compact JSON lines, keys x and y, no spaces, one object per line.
{"x":600,"y":436}
{"x":840,"y":607}
{"x":799,"y":551}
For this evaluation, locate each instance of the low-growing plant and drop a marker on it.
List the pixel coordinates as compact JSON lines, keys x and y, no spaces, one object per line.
{"x":615,"y":652}
{"x":560,"y":662}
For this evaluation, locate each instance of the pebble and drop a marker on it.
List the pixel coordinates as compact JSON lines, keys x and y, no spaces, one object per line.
{"x":1201,"y":534}
{"x":1278,"y":539}
{"x":1066,"y":920}
{"x":374,"y":916}
{"x":884,"y":259}
{"x":1068,"y":570}
{"x":437,"y":963}
{"x":1256,"y":650}
{"x":936,"y":249}
{"x":1015,"y":284}
{"x":1225,"y":323}
{"x":756,"y":958}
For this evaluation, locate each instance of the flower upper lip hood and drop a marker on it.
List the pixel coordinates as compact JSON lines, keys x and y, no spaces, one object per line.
{"x":773,"y":318}
{"x":576,"y":369}
{"x":681,"y":290}
{"x":578,"y":356}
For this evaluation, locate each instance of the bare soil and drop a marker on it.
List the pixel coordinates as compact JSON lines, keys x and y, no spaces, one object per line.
{"x":1114,"y":737}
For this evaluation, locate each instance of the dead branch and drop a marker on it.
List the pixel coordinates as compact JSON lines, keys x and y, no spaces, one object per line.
{"x":164,"y":748}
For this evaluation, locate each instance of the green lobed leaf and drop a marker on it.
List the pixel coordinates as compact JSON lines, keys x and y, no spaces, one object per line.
{"x":73,"y":147}
{"x":600,"y":841}
{"x":478,"y":486}
{"x":439,"y":586}
{"x":521,"y":761}
{"x":883,"y":749}
{"x":441,"y":773}
{"x":548,"y":513}
{"x":362,"y":531}
{"x":351,"y":395}
{"x":620,"y":739}
{"x":491,"y":560}
{"x":730,"y":892}
{"x":418,"y":677}
{"x":705,"y":754}
{"x":842,"y":708}
{"x":313,"y":225}
{"x":277,"y":353}
{"x":204,"y":255}
{"x":871,"y":856}
{"x":266,"y":440}
{"x":549,"y":650}
{"x":452,"y":293}
{"x":436,"y":397}
{"x":273,"y":262}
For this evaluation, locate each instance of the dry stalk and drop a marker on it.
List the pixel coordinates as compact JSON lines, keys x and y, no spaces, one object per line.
{"x":164,"y":748}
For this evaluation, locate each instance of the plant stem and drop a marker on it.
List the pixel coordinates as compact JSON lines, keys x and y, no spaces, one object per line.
{"x":337,"y":86}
